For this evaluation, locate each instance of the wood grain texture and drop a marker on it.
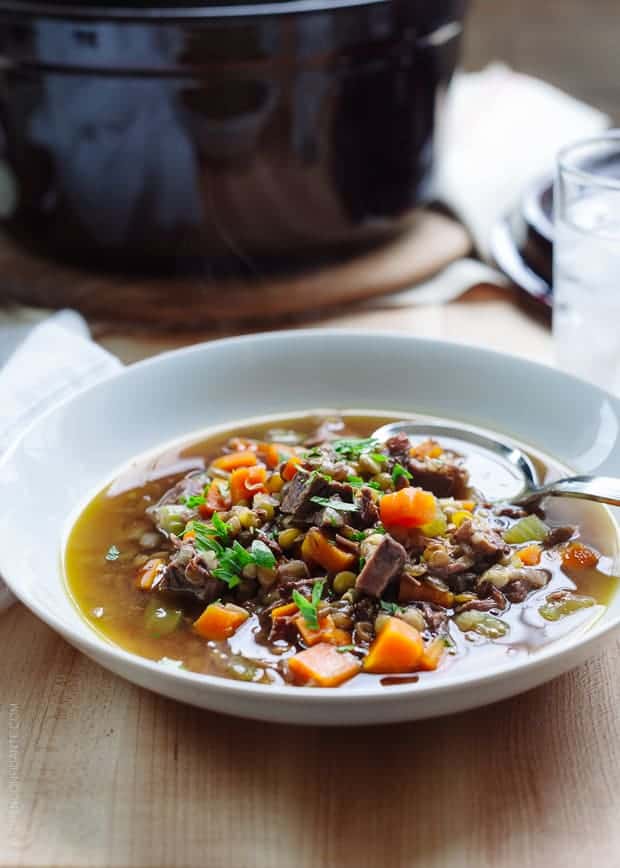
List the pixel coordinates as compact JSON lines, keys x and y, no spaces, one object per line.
{"x":428,"y":243}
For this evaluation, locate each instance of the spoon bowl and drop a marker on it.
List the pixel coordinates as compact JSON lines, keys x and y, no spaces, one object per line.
{"x":517,"y":480}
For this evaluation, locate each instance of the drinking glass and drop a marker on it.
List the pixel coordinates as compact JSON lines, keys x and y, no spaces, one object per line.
{"x":586,"y":261}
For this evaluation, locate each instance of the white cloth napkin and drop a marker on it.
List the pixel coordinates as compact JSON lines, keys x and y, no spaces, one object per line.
{"x":54,"y":360}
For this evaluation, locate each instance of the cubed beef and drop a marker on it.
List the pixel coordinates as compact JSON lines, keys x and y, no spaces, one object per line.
{"x":383,"y":566}
{"x":191,"y":578}
{"x":442,"y":478}
{"x":558,"y":535}
{"x":485,"y":543}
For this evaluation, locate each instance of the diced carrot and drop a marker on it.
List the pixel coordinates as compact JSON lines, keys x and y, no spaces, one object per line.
{"x":411,"y":591}
{"x":148,"y":573}
{"x":229,"y":462}
{"x":245,"y":482}
{"x":427,"y":449}
{"x":323,"y":666}
{"x":409,"y":507}
{"x":310,"y":636}
{"x":397,"y":648}
{"x":274,"y":453}
{"x":338,"y":636}
{"x":284,"y":611}
{"x":432,"y":655}
{"x":327,"y":632}
{"x":576,"y":556}
{"x":218,"y":499}
{"x":468,"y":505}
{"x":189,"y":535}
{"x":318,"y":549}
{"x":218,"y":622}
{"x":291,"y":467}
{"x":530,"y":555}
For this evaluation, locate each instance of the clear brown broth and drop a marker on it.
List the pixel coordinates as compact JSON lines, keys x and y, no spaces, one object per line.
{"x":106,"y":595}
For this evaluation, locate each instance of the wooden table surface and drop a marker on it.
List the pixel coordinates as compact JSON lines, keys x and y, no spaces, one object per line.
{"x":99,"y":772}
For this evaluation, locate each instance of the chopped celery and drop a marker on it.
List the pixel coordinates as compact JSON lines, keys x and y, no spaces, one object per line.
{"x":173,"y":517}
{"x":528,"y":529}
{"x":437,"y":527}
{"x":161,"y":620}
{"x":482,"y":623}
{"x":562,"y":604}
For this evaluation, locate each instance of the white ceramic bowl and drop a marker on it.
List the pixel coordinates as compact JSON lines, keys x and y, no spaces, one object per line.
{"x":78,"y":446}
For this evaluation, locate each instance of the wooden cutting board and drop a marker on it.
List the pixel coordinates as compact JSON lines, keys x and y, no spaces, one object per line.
{"x":428,"y":242}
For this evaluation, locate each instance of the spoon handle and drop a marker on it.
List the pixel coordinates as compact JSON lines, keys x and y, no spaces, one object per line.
{"x":603,"y":489}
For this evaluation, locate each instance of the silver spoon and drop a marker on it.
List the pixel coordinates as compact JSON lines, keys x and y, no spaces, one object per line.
{"x":519,"y":473}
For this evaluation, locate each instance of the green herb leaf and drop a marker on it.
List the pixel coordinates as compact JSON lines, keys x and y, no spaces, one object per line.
{"x":194,"y":501}
{"x":205,"y":539}
{"x":315,"y":452}
{"x":343,"y":648}
{"x":390,"y":608}
{"x":357,"y":535}
{"x":112,"y":554}
{"x":317,"y":591}
{"x":362,"y":563}
{"x":262,"y":554}
{"x":374,"y":485}
{"x":225,"y":575}
{"x":335,"y":504}
{"x":240,"y":556}
{"x":354,"y":447}
{"x":379,"y":457}
{"x":399,"y":471}
{"x":355,"y":481}
{"x":309,"y":608}
{"x":220,"y":527}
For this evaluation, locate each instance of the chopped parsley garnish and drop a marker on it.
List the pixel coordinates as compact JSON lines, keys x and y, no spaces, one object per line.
{"x":232,"y":559}
{"x":315,"y":452}
{"x":353,"y":448}
{"x":343,"y":648}
{"x":399,"y":471}
{"x":262,"y":554}
{"x":112,"y":554}
{"x":355,"y":481}
{"x":362,"y":563}
{"x":231,"y":564}
{"x":390,"y":608}
{"x":379,"y":457}
{"x":335,"y":504}
{"x":358,"y":482}
{"x":205,"y":538}
{"x":194,"y":501}
{"x":309,"y":608}
{"x":220,"y":527}
{"x":356,"y":535}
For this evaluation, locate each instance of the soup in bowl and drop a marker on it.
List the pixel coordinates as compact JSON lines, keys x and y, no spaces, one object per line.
{"x":305,"y":552}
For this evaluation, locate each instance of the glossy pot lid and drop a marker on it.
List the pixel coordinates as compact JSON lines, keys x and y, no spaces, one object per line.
{"x":437,"y":10}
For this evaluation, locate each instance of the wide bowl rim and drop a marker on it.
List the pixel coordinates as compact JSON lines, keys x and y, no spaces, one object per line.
{"x":97,"y":647}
